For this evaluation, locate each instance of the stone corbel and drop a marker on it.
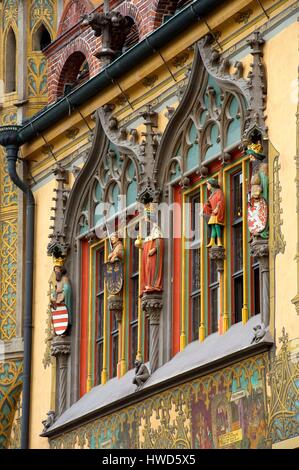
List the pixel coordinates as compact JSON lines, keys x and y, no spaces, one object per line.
{"x":152,"y":305}
{"x":217,"y":253}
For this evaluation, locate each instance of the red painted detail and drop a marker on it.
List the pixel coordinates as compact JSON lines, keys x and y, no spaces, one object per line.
{"x":60,"y":318}
{"x":177,"y":273}
{"x":84,"y":317}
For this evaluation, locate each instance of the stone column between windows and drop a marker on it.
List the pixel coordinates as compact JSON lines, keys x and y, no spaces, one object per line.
{"x":152,"y":305}
{"x":61,"y":348}
{"x":260,"y":249}
{"x":115,"y":307}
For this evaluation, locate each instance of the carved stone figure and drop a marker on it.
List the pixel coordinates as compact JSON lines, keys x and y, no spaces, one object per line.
{"x":152,"y":256}
{"x":259,"y":333}
{"x":215,"y":209}
{"x":259,"y":192}
{"x":60,"y":297}
{"x":117,"y":253}
{"x":141,"y":374}
{"x":49,"y":421}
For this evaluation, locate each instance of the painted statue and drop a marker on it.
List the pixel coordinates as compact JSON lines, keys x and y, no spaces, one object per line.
{"x":141,"y":374}
{"x":113,"y":269}
{"x":215,"y":209}
{"x":152,"y":255}
{"x":60,"y":298}
{"x":259,"y":193}
{"x":117,"y":252}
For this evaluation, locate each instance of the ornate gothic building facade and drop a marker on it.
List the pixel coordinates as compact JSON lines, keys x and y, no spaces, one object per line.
{"x":149,"y":226}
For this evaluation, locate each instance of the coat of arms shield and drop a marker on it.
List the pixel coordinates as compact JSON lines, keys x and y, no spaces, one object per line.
{"x":257,"y":215}
{"x":114,"y":276}
{"x":60,"y":318}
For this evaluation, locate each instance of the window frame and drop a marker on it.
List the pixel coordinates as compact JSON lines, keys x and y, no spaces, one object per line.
{"x":236,"y":223}
{"x":100,"y":294}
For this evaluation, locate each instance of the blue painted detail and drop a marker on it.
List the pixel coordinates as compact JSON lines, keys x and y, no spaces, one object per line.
{"x":215,"y":148}
{"x":175,"y":172}
{"x":234,"y":128}
{"x":131,"y":170}
{"x":98,"y":214}
{"x":203,"y":118}
{"x":192,"y":157}
{"x":193,"y":152}
{"x":132,"y":193}
{"x":192,"y":133}
{"x":115,"y":194}
{"x":98,"y":192}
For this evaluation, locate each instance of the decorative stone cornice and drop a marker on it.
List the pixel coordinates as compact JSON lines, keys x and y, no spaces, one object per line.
{"x":61,"y":346}
{"x":115,"y":305}
{"x":259,"y":248}
{"x":152,"y":305}
{"x":217,"y":253}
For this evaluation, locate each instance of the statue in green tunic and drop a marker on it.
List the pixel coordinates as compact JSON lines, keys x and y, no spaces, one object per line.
{"x":61,"y":291}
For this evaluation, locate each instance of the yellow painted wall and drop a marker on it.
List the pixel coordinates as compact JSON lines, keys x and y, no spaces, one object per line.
{"x":281,"y":57}
{"x":281,"y":71}
{"x":41,"y":378}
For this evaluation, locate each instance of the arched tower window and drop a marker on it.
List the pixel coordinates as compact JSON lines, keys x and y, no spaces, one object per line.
{"x":132,"y":37}
{"x":10,"y":62}
{"x":74,"y":72}
{"x":41,"y":38}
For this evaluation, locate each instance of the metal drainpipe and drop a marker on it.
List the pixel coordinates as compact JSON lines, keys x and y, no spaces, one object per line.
{"x":9,"y":140}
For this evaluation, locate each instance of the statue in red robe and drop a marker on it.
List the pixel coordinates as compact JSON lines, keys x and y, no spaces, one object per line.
{"x":215,"y":209}
{"x":152,"y":261}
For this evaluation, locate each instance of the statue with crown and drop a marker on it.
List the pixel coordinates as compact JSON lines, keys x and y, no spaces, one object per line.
{"x":152,"y":253}
{"x":60,"y":297}
{"x":259,"y":192}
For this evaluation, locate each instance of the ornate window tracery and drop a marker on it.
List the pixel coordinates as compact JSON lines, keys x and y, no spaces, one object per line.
{"x":210,"y":286}
{"x":205,"y":139}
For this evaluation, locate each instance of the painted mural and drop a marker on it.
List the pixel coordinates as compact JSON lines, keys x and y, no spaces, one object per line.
{"x":210,"y":412}
{"x":10,"y":390}
{"x":219,"y":412}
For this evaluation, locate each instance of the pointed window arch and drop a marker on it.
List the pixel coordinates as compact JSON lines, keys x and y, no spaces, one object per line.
{"x":41,"y":38}
{"x":10,"y":61}
{"x":202,"y":141}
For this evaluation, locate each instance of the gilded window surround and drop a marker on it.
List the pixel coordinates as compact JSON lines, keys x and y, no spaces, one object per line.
{"x":225,"y":314}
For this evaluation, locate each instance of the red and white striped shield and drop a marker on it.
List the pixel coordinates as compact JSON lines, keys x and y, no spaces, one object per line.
{"x":60,"y":318}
